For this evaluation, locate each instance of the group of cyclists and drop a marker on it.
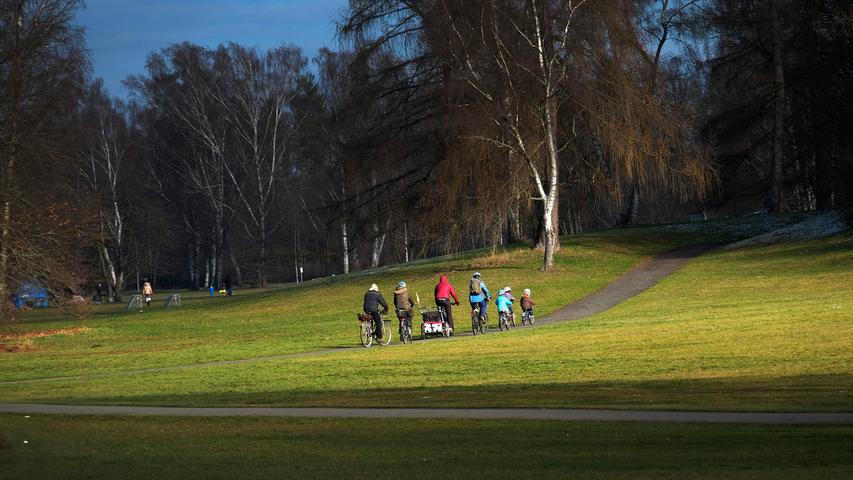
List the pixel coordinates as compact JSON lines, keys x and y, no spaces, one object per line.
{"x":445,"y":297}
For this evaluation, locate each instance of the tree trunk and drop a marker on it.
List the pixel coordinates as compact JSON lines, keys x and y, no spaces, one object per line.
{"x":261,"y":272}
{"x":551,"y":230}
{"x":406,"y":240}
{"x":551,"y":218}
{"x":238,"y":272}
{"x":345,"y":244}
{"x":207,"y":282}
{"x":378,"y":244}
{"x":775,"y":200}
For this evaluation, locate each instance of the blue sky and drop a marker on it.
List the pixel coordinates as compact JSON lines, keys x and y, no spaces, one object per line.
{"x":121,"y":33}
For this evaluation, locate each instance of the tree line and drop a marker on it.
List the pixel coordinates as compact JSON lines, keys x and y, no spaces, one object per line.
{"x":437,"y":126}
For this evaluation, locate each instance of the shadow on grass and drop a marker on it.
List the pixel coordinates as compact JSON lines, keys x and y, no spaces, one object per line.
{"x":811,"y":393}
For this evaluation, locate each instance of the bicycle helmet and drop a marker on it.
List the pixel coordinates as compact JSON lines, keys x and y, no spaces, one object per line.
{"x":373,"y":288}
{"x":527,"y":291}
{"x":402,"y":284}
{"x":507,"y":289}
{"x":476,"y":274}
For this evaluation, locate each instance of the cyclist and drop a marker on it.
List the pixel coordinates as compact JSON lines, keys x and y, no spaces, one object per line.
{"x":404,"y":305}
{"x":508,"y":294}
{"x":443,"y":292}
{"x":504,"y":302}
{"x":478,"y":294}
{"x":372,"y":301}
{"x":527,"y":302}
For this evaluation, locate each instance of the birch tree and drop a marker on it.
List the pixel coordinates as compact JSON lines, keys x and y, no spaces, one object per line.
{"x":513,"y":56}
{"x":101,"y":166}
{"x":256,"y":103}
{"x":183,"y":86}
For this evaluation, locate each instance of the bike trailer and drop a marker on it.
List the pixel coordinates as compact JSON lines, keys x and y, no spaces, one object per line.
{"x":431,"y":322}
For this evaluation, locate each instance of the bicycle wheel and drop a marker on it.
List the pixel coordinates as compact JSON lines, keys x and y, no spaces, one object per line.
{"x":423,"y":332}
{"x":502,"y":325}
{"x":386,"y":332}
{"x":366,"y":334}
{"x":475,"y":322}
{"x":512,"y":317}
{"x":484,"y":324}
{"x":531,"y":319}
{"x":408,"y":333}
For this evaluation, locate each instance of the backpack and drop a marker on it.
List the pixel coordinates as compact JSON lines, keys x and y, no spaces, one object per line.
{"x":474,"y":287}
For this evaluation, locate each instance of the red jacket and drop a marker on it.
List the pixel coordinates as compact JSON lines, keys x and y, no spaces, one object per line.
{"x":445,"y":290}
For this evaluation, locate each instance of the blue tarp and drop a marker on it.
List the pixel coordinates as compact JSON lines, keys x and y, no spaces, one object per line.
{"x":30,"y":295}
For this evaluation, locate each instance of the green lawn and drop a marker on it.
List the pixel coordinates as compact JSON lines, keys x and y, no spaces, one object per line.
{"x":212,"y":448}
{"x":319,"y":314}
{"x":762,"y":328}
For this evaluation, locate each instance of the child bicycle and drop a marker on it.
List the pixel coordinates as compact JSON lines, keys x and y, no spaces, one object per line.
{"x":367,"y":330}
{"x":504,"y":320}
{"x":527,"y":317}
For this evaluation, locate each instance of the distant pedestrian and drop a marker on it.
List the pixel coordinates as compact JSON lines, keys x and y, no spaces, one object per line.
{"x":98,"y":293}
{"x":227,"y":283}
{"x":147,"y":291}
{"x":212,"y":291}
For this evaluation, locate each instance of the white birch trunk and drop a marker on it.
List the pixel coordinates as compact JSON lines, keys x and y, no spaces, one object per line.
{"x":345,"y":244}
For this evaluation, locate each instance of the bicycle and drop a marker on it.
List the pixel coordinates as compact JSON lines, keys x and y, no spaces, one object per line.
{"x":406,"y":330}
{"x":445,"y":327}
{"x":479,"y":322}
{"x":503,"y":321}
{"x":367,"y":330}
{"x":527,"y":317}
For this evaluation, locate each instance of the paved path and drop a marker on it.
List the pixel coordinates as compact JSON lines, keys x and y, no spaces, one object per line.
{"x":631,"y":283}
{"x":469,"y":413}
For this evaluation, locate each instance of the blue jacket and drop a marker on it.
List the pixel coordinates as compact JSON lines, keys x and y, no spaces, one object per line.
{"x":479,"y":298}
{"x":503,"y":303}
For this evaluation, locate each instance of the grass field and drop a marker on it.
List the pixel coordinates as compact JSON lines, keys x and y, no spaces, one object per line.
{"x":319,"y":314}
{"x":211,"y":448}
{"x":760,"y":329}
{"x":756,"y":329}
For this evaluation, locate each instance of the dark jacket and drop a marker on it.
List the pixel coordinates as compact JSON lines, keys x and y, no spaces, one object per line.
{"x":402,"y":300}
{"x":372,"y":301}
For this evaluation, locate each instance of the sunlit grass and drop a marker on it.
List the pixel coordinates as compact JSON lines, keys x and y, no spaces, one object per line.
{"x":317,"y":315}
{"x":763,"y":328}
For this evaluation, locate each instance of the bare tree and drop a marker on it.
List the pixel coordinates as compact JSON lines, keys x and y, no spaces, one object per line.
{"x":101,"y":166}
{"x":519,"y":76}
{"x":41,"y":61}
{"x":256,"y":103}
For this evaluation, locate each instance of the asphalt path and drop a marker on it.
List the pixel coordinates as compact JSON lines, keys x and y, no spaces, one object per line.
{"x":571,"y":415}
